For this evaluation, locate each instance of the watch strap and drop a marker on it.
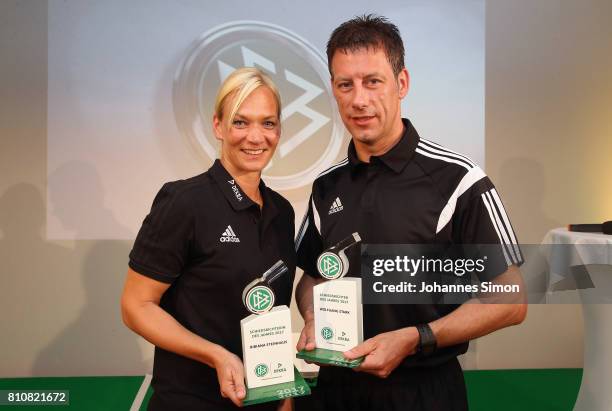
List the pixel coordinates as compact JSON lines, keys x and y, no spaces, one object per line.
{"x":427,"y":340}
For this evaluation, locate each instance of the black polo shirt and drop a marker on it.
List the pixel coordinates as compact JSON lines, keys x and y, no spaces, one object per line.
{"x":207,"y":239}
{"x":417,"y":193}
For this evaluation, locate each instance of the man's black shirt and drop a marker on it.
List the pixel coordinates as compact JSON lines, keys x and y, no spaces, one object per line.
{"x":417,"y":193}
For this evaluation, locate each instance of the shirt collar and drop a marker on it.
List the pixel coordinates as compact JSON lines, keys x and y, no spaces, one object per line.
{"x":234,"y":194}
{"x":230,"y":188}
{"x":398,"y":156}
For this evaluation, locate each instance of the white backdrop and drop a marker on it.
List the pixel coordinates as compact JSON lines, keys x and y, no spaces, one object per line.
{"x":117,"y":130}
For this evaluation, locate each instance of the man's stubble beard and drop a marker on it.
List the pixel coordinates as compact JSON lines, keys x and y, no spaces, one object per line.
{"x":366,"y":139}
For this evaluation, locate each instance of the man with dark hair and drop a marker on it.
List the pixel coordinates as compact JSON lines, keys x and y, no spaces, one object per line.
{"x":371,"y":33}
{"x":397,"y":188}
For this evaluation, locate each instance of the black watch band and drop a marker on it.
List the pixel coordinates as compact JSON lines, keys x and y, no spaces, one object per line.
{"x":427,"y":340}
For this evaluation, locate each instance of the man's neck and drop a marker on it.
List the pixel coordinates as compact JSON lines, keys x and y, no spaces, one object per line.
{"x":365,"y":151}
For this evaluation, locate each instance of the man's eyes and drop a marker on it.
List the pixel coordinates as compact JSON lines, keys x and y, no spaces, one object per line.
{"x":369,"y":82}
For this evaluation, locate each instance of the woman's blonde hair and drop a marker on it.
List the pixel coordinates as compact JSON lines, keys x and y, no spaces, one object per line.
{"x":238,"y":86}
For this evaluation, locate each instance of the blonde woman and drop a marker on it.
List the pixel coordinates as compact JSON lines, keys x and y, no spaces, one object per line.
{"x":204,"y":240}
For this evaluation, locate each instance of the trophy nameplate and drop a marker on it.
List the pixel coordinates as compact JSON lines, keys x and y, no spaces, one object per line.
{"x":267,"y":344}
{"x":338,"y":313}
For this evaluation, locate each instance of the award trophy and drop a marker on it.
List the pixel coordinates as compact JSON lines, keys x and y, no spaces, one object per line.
{"x":267,"y":345}
{"x":338,"y":318}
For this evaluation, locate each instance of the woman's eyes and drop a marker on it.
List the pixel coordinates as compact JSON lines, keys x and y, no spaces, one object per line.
{"x":244,"y":124}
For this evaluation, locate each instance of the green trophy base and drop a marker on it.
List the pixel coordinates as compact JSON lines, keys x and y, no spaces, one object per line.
{"x":296,"y":388}
{"x":328,"y":357}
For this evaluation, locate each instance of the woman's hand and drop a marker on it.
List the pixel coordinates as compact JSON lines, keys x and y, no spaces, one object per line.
{"x":142,"y":313}
{"x":230,"y":373}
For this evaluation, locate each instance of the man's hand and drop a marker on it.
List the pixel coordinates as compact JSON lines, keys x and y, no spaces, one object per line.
{"x":307,"y":337}
{"x":230,"y":373}
{"x":384,"y":352}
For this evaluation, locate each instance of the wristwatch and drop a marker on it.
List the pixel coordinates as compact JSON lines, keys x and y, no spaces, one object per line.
{"x":427,"y":340}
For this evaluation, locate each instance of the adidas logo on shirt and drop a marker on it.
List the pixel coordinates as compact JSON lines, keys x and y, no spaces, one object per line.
{"x":229,"y":236}
{"x":336,"y":206}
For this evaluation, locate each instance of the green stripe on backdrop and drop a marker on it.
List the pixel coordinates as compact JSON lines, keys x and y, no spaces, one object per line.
{"x":498,"y":390}
{"x":512,"y":390}
{"x":86,"y":393}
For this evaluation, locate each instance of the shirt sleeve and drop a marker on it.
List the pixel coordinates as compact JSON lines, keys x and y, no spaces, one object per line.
{"x":480,"y":219}
{"x":308,"y":242}
{"x":162,"y":245}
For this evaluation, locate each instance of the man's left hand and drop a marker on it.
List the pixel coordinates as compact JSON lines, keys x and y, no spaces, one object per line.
{"x":384,"y":352}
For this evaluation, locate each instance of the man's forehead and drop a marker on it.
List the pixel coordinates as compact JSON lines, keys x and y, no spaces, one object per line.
{"x":373,"y":51}
{"x":364,"y":60}
{"x":361,"y":48}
